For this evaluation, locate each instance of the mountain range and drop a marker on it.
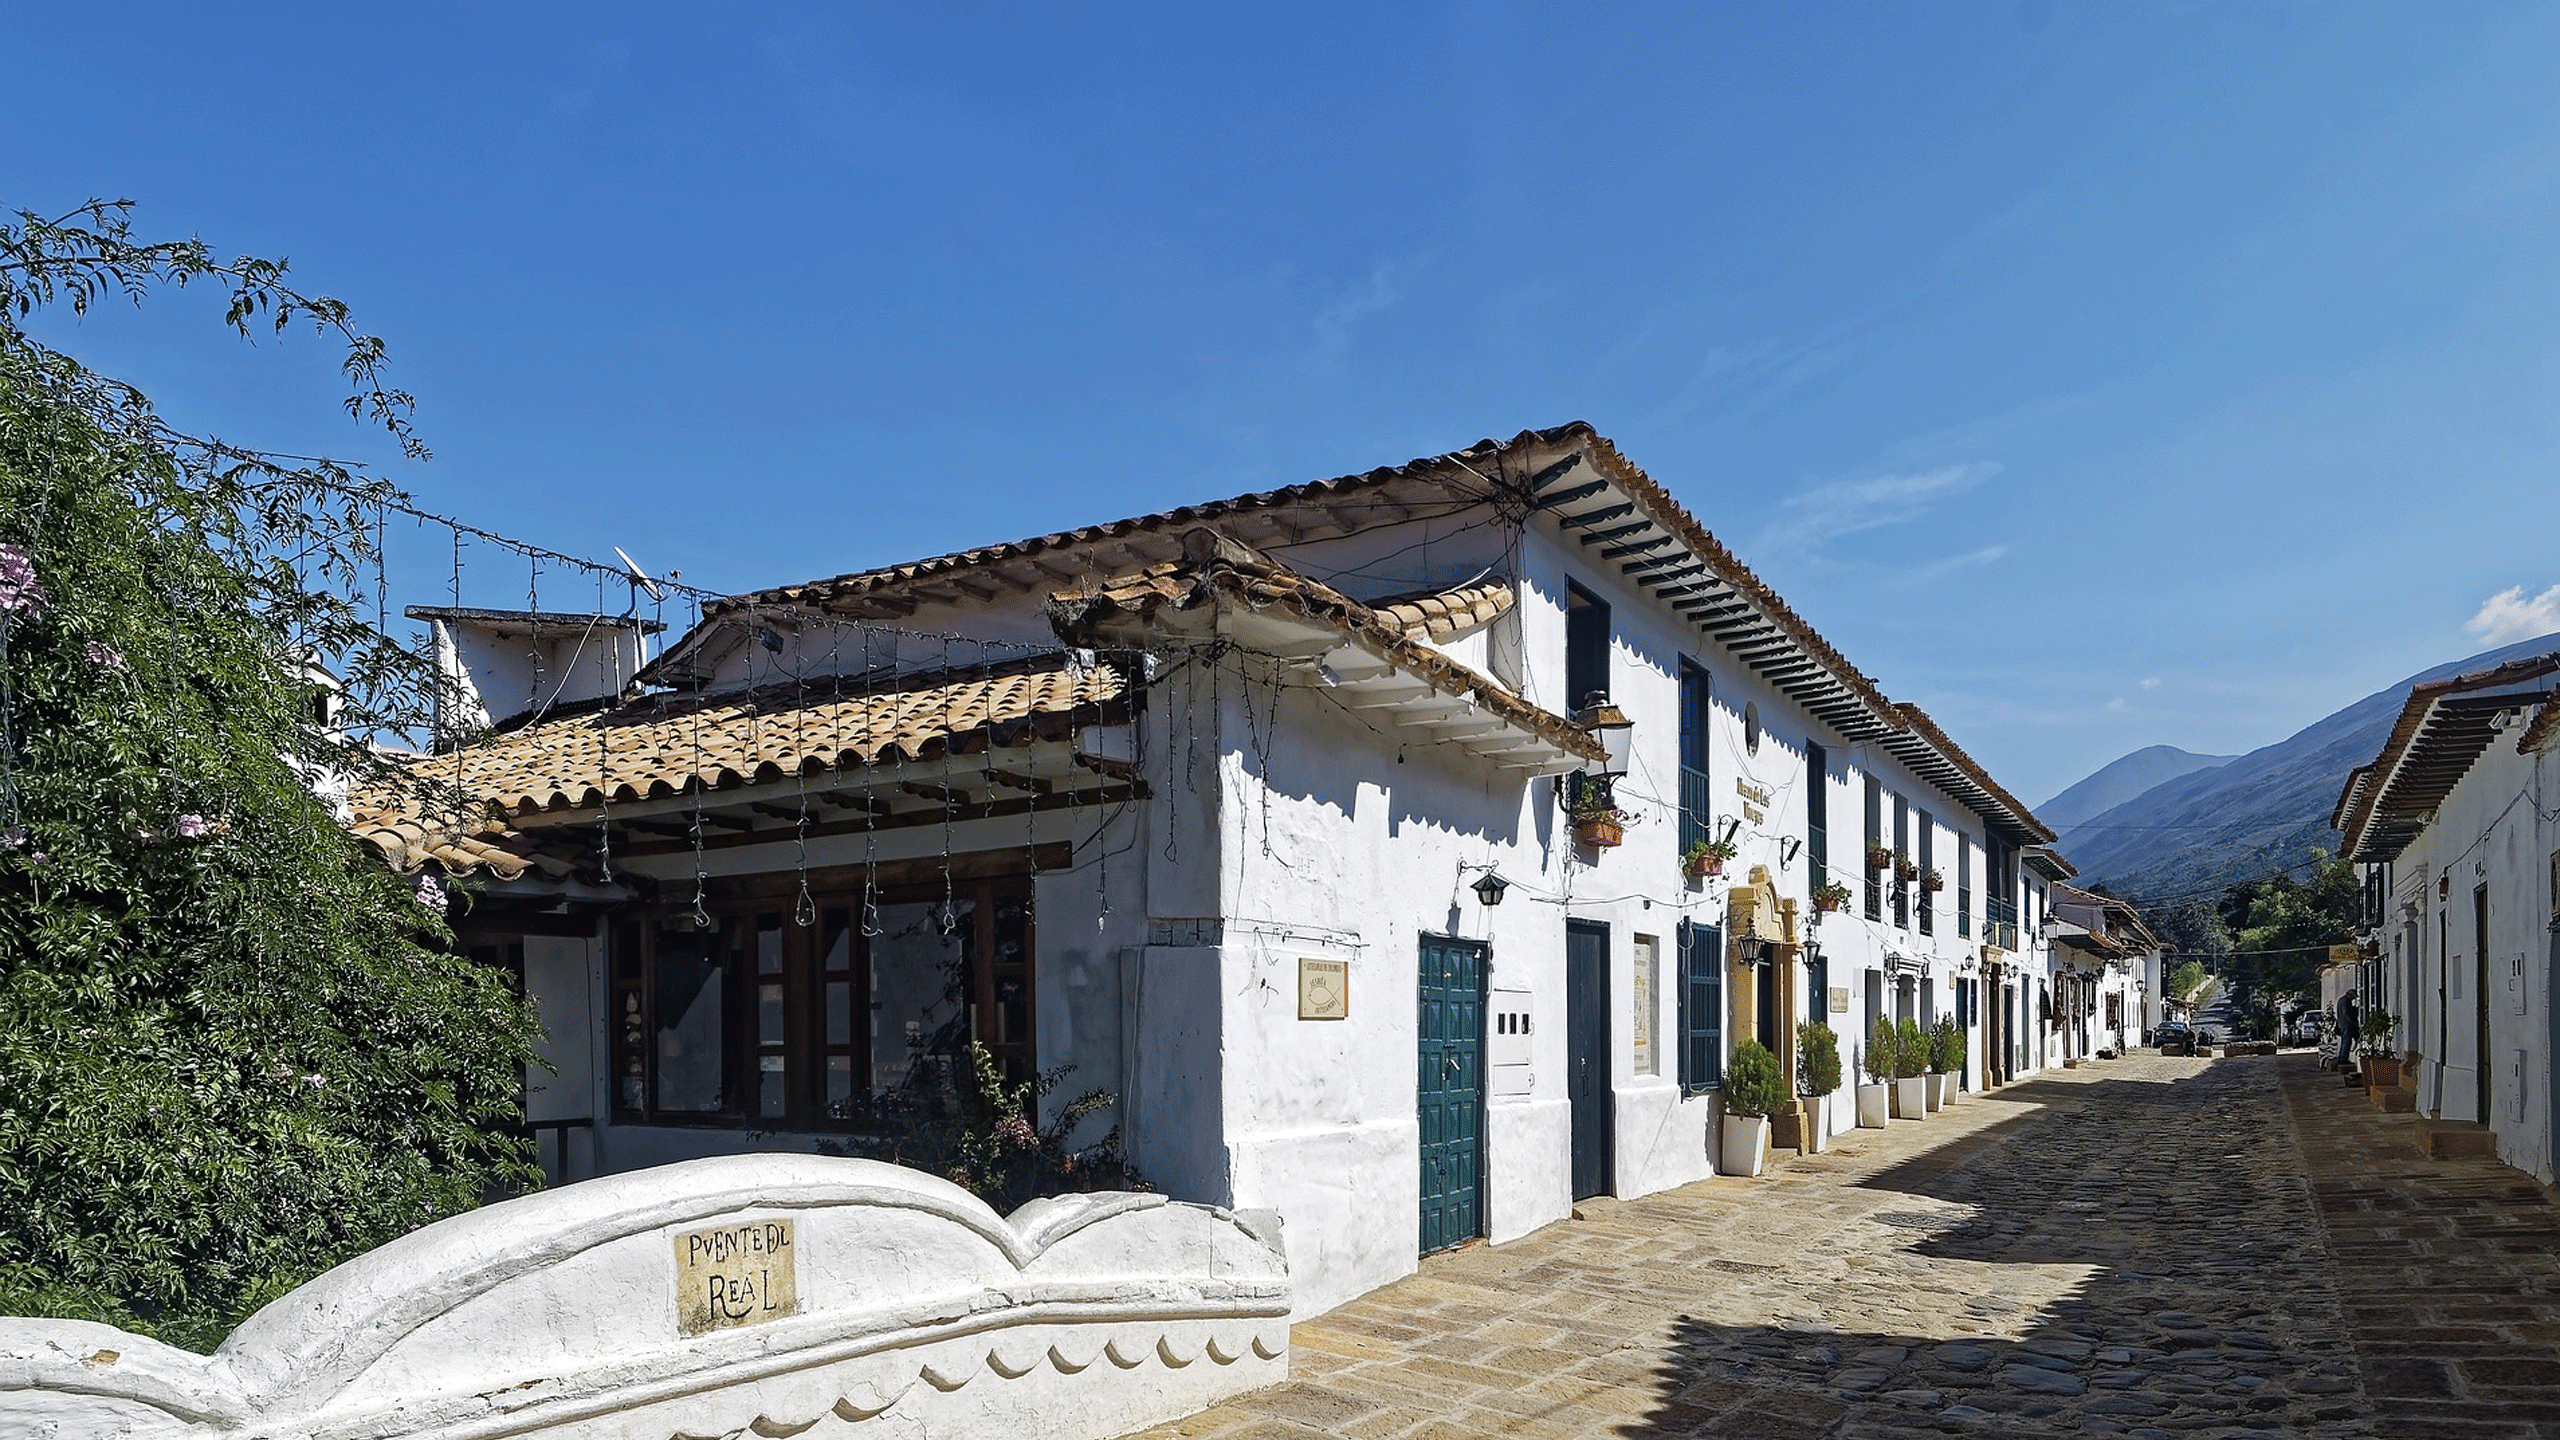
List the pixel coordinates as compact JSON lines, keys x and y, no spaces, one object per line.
{"x":2163,"y":823}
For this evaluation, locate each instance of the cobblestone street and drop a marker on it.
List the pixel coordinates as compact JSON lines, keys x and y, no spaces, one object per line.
{"x":2147,"y":1247}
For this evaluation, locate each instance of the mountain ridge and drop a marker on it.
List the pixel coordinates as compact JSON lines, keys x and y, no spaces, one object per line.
{"x":2206,"y":828}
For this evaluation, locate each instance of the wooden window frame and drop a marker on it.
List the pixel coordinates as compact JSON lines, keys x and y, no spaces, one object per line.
{"x":1700,"y":954}
{"x":1001,"y":1000}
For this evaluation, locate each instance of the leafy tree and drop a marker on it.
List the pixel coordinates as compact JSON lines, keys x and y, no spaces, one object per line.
{"x":2191,"y":928}
{"x":2187,"y":978}
{"x":233,"y":1048}
{"x":2282,"y":927}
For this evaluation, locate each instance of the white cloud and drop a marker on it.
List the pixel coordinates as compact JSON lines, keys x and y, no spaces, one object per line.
{"x":2150,"y":682}
{"x":1940,"y":569}
{"x":1835,"y":508}
{"x":2115,"y":705}
{"x":2511,"y":615}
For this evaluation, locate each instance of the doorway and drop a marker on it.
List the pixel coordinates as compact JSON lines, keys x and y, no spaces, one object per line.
{"x":1586,"y":1023}
{"x":1449,"y":1093}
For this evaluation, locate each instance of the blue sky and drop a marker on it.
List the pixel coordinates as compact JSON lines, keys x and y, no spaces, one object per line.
{"x":2094,"y":375}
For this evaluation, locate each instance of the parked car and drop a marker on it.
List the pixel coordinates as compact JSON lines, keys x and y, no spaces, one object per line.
{"x":2307,"y":1028}
{"x":2175,"y":1037}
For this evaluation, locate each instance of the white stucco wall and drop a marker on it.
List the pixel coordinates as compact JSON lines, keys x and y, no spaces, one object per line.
{"x":2489,"y":832}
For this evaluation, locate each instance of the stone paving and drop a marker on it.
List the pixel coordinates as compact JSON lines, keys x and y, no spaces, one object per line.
{"x":2141,"y":1247}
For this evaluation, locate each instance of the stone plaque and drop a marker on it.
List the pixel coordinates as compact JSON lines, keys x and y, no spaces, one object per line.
{"x":1839,"y":998}
{"x":1324,"y":989}
{"x":735,"y":1275}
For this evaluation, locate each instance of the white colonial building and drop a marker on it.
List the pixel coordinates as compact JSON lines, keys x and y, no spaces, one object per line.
{"x":1339,"y":831}
{"x":2457,"y":827}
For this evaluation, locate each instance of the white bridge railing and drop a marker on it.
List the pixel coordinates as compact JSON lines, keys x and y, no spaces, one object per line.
{"x":771,"y":1295}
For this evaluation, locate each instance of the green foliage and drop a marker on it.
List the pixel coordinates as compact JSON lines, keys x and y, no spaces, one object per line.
{"x":1751,"y":1082}
{"x":2187,"y":979}
{"x":2373,"y":1032}
{"x":1817,"y":1058}
{"x":1910,"y":1049}
{"x":234,"y":1049}
{"x":1946,"y":1047}
{"x":2282,"y":927}
{"x":1881,"y":1062}
{"x":984,"y":1139}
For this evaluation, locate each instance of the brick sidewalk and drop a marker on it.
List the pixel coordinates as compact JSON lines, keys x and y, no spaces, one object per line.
{"x":2448,"y":1271}
{"x":2129,"y":1249}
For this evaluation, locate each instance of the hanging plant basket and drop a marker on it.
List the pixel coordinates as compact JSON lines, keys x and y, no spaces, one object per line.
{"x":1878,"y":857}
{"x":1829,"y":897}
{"x":1933,"y":882}
{"x":1601,"y":831}
{"x":1703,"y":867}
{"x":1905,"y":869}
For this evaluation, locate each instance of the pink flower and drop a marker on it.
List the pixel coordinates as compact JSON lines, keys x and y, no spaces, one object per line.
{"x":192,"y":826}
{"x":105,"y":656}
{"x":1016,"y":1131}
{"x":19,"y":592}
{"x":430,"y":891}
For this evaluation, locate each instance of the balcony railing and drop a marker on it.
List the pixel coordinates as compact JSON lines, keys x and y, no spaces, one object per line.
{"x":2000,"y":923}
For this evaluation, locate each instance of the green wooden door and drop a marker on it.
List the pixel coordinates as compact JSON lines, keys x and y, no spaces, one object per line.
{"x":1449,"y":1091}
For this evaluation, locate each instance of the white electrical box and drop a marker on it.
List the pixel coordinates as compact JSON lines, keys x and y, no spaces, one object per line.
{"x":1508,"y":1023}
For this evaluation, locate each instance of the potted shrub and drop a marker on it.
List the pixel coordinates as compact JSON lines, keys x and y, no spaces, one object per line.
{"x":1879,"y":855}
{"x":1875,"y":1098}
{"x":1910,"y":1064}
{"x":1829,"y":896}
{"x":1751,"y":1090}
{"x":1597,"y":820}
{"x":2373,"y":1038}
{"x":1705,"y":857}
{"x":1946,"y":1056}
{"x":1818,"y":1074}
{"x":1942,"y":1060}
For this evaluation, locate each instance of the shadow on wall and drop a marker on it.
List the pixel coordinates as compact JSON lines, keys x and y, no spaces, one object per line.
{"x":2192,"y":1312}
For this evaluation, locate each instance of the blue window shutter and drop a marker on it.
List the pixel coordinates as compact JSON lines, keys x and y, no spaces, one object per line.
{"x":1701,"y":1007}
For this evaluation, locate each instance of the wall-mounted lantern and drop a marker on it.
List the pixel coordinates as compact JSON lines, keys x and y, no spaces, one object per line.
{"x":1616,"y":733}
{"x":1490,"y":888}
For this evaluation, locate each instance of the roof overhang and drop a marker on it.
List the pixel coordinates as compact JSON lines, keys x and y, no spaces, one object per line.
{"x":2444,"y":728}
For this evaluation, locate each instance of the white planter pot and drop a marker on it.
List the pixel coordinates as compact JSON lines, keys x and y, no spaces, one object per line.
{"x":1875,"y":1106}
{"x":1746,"y":1145}
{"x":1910,"y":1099}
{"x":1817,"y":1124}
{"x":1935,"y":1090}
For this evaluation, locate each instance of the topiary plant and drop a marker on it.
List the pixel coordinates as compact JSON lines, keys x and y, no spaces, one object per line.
{"x":1879,"y":1061}
{"x":1817,"y":1058}
{"x":1751,"y":1083}
{"x":1946,"y":1046}
{"x":1910,"y":1049}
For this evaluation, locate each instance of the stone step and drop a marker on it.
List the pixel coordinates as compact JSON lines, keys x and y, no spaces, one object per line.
{"x":2394,"y":1099}
{"x":2455,"y":1139}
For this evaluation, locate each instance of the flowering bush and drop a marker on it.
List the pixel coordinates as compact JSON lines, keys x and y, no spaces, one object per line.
{"x":979,"y":1134}
{"x":234,"y":1049}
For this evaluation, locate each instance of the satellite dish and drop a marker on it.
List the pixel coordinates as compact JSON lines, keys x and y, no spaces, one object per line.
{"x":639,"y":574}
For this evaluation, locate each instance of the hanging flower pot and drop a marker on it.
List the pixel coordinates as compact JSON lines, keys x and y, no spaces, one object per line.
{"x":1829,"y":896}
{"x":1933,"y":882}
{"x":1905,"y":869}
{"x":1602,"y":830}
{"x":1879,"y":857}
{"x":1705,"y":858}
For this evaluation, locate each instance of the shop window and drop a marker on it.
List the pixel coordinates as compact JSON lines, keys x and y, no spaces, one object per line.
{"x":759,"y":1020}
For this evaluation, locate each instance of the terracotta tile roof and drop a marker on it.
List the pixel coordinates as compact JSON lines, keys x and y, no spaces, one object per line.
{"x":667,"y":745}
{"x":1215,"y":566}
{"x":2544,"y":727}
{"x":2443,"y":727}
{"x":1441,"y":614}
{"x":409,"y":842}
{"x":1731,"y":604}
{"x":1938,"y":760}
